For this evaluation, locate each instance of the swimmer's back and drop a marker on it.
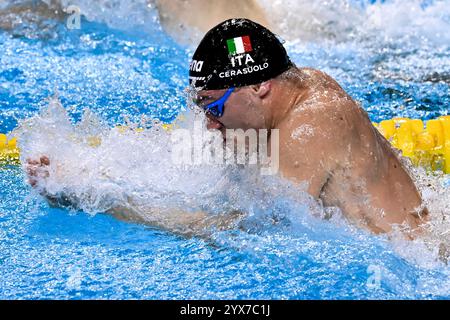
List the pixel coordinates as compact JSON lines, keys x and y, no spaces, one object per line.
{"x":361,"y":173}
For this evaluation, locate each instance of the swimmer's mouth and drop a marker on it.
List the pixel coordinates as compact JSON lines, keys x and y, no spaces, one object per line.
{"x":214,"y":124}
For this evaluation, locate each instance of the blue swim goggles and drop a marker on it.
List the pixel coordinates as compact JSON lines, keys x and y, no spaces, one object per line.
{"x":216,"y":108}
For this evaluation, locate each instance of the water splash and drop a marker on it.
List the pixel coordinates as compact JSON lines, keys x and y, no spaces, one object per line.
{"x":346,"y":20}
{"x":105,"y":167}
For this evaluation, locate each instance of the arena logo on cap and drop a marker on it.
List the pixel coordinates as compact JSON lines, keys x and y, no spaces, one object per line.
{"x":196,"y":65}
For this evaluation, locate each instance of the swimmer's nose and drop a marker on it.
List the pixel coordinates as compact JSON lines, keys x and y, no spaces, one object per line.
{"x":213,"y":123}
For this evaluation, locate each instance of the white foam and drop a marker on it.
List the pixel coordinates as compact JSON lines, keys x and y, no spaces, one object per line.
{"x":300,"y":20}
{"x":343,"y":20}
{"x":138,"y":167}
{"x":119,"y":14}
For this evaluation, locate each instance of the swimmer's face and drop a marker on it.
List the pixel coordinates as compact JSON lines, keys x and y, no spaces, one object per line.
{"x":242,"y":110}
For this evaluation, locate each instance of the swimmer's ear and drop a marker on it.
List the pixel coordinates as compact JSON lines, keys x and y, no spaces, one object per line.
{"x":262,"y":89}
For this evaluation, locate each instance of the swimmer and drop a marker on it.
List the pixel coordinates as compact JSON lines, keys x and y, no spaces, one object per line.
{"x":244,"y":79}
{"x":326,"y":138}
{"x":178,"y":16}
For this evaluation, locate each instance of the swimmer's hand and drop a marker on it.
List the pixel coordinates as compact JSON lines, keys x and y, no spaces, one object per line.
{"x":37,"y":171}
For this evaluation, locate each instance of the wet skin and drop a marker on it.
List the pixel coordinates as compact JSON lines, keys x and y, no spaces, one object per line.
{"x":328,"y":141}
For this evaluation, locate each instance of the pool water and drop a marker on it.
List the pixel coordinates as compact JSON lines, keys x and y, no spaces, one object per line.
{"x":391,"y":56}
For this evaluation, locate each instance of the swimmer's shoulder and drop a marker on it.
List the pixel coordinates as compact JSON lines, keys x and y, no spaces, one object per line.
{"x":326,"y":97}
{"x":327,"y":110}
{"x":320,"y":80}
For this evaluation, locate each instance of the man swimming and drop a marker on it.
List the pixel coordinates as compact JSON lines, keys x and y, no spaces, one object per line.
{"x":326,"y":138}
{"x":244,"y":79}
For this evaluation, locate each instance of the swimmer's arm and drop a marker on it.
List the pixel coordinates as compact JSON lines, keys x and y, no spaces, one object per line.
{"x":184,"y":223}
{"x":188,"y":224}
{"x":60,"y":201}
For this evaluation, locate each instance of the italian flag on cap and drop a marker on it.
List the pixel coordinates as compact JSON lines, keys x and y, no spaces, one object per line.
{"x":239,"y":45}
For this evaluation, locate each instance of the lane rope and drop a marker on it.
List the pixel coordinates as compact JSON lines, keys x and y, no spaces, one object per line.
{"x":426,"y":145}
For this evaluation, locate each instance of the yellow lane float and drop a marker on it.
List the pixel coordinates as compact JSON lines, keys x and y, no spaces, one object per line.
{"x":427,"y":146}
{"x":9,"y":152}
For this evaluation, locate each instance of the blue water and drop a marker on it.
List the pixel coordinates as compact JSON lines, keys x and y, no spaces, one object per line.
{"x":53,"y":253}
